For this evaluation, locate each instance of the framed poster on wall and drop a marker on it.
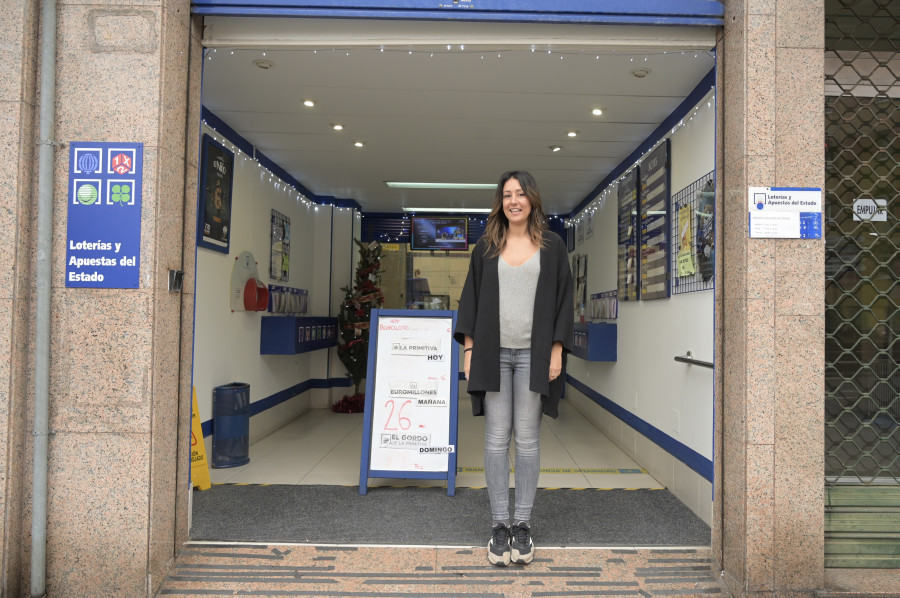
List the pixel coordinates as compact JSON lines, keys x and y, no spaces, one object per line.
{"x":654,"y":202}
{"x":214,"y":209}
{"x":629,"y":264}
{"x":280,"y":255}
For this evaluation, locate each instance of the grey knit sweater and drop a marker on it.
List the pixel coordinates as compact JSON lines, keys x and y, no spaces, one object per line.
{"x":517,"y":287}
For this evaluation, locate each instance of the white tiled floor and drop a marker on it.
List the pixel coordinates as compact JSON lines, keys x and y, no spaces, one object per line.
{"x":322,"y":447}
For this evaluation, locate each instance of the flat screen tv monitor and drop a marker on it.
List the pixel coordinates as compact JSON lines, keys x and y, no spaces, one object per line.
{"x":450,"y":233}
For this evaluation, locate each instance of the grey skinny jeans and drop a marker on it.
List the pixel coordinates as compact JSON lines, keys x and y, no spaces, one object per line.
{"x":514,"y":407}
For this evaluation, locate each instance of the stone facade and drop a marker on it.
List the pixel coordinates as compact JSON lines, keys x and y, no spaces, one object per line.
{"x":769,"y":532}
{"x":120,"y":382}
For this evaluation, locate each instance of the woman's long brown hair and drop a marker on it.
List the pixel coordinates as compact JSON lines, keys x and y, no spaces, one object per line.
{"x":497,"y":225}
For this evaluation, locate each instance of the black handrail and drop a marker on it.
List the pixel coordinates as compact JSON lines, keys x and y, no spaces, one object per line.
{"x":690,"y":360}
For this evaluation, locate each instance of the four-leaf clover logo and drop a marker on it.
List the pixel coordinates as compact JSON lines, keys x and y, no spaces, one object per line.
{"x":121,"y":194}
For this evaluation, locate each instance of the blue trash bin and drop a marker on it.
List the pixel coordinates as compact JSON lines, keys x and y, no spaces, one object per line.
{"x":231,"y":425}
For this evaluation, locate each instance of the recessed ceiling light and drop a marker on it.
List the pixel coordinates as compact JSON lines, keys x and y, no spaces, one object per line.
{"x":359,"y":143}
{"x":597,"y":112}
{"x":555,"y":148}
{"x":408,"y":185}
{"x":572,"y":133}
{"x":263,"y":64}
{"x":309,"y":103}
{"x":640,"y":73}
{"x":337,"y":126}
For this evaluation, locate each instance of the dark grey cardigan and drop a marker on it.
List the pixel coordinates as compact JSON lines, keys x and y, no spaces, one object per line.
{"x":554,"y":316}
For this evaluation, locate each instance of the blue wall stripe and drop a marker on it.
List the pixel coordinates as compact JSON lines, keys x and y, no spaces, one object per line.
{"x":287,"y":394}
{"x":658,"y":7}
{"x":443,"y":15}
{"x":683,"y":453}
{"x":644,"y":12}
{"x":701,"y":89}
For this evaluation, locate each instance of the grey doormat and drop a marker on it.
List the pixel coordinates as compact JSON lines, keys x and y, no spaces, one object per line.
{"x":427,"y":516}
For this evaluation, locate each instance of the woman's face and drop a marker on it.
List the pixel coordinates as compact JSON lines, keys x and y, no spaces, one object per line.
{"x":516,"y":206}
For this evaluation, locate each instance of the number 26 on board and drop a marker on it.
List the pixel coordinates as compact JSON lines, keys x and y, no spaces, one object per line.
{"x":403,"y":422}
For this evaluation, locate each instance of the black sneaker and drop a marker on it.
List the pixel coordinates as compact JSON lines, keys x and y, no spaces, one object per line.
{"x":521,"y":544}
{"x":498,"y":547}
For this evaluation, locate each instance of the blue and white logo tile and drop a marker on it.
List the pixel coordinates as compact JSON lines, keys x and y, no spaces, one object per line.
{"x":121,"y":161}
{"x":86,"y":192}
{"x":87,"y":160}
{"x":120,"y":192}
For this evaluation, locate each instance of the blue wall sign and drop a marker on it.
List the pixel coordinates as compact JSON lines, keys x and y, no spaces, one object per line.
{"x":103,"y":241}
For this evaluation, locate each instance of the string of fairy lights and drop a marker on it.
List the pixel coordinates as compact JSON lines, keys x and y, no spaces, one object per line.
{"x":635,"y":58}
{"x":266,"y":175}
{"x":278,"y":184}
{"x":560,"y":52}
{"x":708,"y":102}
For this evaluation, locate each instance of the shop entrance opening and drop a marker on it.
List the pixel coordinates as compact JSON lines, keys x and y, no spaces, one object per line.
{"x":320,"y":114}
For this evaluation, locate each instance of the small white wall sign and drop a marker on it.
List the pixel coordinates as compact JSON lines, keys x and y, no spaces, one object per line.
{"x":785,"y":212}
{"x":871,"y":210}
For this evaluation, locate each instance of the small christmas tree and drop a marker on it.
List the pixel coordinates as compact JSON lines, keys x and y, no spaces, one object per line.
{"x":353,"y":321}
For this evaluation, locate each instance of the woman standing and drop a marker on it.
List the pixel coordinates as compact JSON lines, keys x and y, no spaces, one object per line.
{"x":516,"y":321}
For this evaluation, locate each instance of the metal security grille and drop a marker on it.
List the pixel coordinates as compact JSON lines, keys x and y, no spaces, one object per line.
{"x":862,"y":292}
{"x":862,"y":313}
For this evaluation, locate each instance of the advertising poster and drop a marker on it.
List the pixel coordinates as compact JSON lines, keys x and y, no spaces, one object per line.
{"x":655,"y":223}
{"x":411,"y":402}
{"x":280,"y":255}
{"x":706,"y":230}
{"x":103,"y":244}
{"x":214,"y":212}
{"x":628,"y":237}
{"x":685,"y":230}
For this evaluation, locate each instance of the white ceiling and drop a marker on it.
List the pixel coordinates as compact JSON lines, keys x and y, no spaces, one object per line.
{"x":495,"y":101}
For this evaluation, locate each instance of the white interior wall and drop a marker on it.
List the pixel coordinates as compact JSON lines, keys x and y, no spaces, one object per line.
{"x":226,"y":343}
{"x":674,"y":397}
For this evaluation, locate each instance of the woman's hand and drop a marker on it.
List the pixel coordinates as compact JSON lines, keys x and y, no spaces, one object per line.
{"x":467,"y":355}
{"x":555,"y":360}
